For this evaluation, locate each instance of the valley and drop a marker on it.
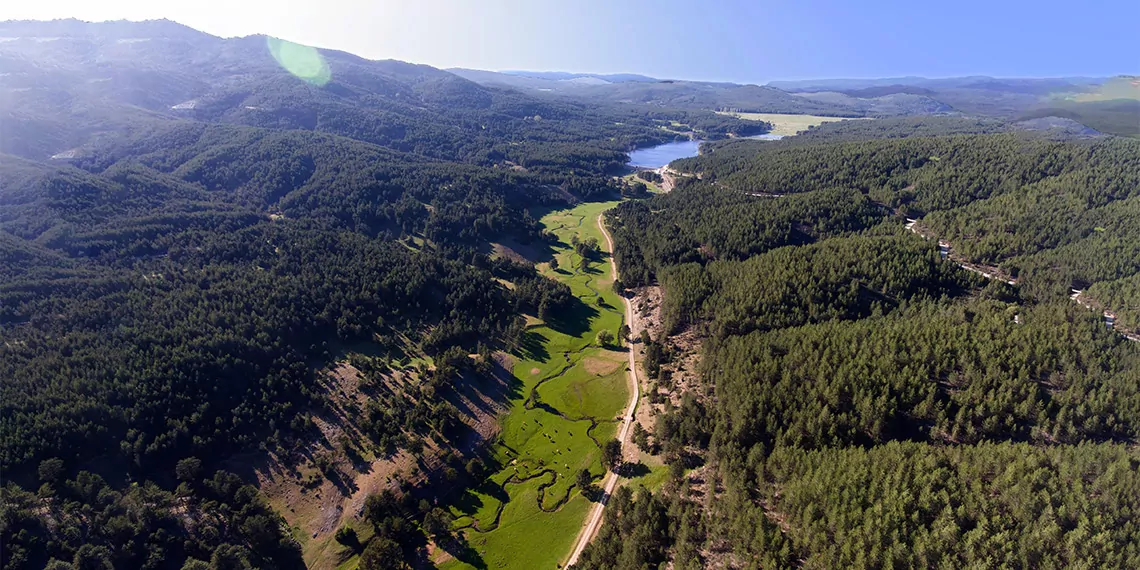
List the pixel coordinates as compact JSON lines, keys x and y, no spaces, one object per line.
{"x":822,"y":364}
{"x":787,"y":125}
{"x":271,"y":306}
{"x":572,"y":396}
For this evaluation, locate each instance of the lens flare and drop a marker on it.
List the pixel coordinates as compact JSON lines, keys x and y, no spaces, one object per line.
{"x":302,"y":61}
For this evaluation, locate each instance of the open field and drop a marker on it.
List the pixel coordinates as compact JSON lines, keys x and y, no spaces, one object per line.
{"x":1123,"y":87}
{"x":787,"y":125}
{"x":528,"y":513}
{"x":632,"y":177}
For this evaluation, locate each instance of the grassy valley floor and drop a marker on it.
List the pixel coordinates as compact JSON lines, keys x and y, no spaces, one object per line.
{"x":787,"y":125}
{"x":572,"y":395}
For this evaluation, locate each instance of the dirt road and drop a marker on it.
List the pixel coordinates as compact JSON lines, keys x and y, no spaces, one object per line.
{"x":594,"y":519}
{"x":668,"y":178}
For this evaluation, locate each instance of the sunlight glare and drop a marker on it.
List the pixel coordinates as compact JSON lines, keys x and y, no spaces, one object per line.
{"x":303,"y":61}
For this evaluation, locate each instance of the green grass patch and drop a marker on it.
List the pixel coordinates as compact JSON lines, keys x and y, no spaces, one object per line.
{"x":651,"y":186}
{"x":571,"y":390}
{"x":1122,"y":87}
{"x":788,"y":125}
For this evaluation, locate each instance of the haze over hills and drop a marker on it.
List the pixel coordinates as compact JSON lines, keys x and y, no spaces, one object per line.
{"x":116,"y":78}
{"x":944,"y":82}
{"x":1109,"y":104}
{"x":699,"y":95}
{"x":1008,"y":98}
{"x":269,"y":306}
{"x":203,"y":225}
{"x":561,"y":75}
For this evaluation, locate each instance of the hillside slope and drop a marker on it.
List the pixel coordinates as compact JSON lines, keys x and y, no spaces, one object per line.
{"x":235,"y":262}
{"x":875,"y":391}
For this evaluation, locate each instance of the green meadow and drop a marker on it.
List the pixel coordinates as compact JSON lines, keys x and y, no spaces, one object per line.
{"x":528,"y":514}
{"x":785,"y":124}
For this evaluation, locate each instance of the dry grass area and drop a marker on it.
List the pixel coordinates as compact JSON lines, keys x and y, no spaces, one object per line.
{"x":702,"y":484}
{"x":512,"y":251}
{"x":316,"y":502}
{"x":686,"y":349}
{"x":788,"y":125}
{"x":685,"y":346}
{"x":533,"y":253}
{"x":600,"y":366}
{"x":438,"y":555}
{"x":647,"y":309}
{"x":632,"y":177}
{"x":647,"y":316}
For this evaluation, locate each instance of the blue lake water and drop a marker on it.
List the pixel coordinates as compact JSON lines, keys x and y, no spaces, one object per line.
{"x":662,"y":154}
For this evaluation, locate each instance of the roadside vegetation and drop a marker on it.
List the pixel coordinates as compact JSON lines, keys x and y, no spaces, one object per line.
{"x":248,"y":321}
{"x":875,"y":404}
{"x":571,"y":391}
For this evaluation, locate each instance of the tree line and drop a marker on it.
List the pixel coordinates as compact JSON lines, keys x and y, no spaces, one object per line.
{"x":874,"y":405}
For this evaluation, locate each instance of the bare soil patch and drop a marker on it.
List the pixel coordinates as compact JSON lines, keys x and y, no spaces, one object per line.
{"x":600,"y":366}
{"x":683,"y":370}
{"x":521,"y":252}
{"x":315,"y":502}
{"x":646,"y":316}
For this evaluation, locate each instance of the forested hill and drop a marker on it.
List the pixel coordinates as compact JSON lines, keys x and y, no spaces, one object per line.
{"x":167,"y":302}
{"x":862,"y":401}
{"x":1055,"y":214}
{"x":665,"y":93}
{"x":193,"y":230}
{"x":69,"y":83}
{"x":236,"y":264}
{"x":1110,"y":105}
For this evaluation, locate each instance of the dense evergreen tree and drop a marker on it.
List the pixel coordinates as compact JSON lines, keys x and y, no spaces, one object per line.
{"x":876,"y":406}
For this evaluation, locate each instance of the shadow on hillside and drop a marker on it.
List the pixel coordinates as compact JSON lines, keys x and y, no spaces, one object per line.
{"x":482,"y":394}
{"x":471,"y":502}
{"x":574,"y":320}
{"x":539,"y":404}
{"x":632,"y":470}
{"x":595,"y":268}
{"x":532,"y":346}
{"x":468,"y":502}
{"x":345,"y":484}
{"x":593,"y":493}
{"x":533,"y":251}
{"x":457,"y":546}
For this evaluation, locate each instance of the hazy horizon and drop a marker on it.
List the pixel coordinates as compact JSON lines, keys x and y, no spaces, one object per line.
{"x":733,"y":41}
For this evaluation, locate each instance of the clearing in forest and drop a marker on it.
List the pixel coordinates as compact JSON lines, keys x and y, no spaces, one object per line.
{"x":526,"y":515}
{"x":787,"y":125}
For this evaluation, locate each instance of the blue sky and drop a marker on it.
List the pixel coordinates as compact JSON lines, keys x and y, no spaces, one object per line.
{"x":729,"y":40}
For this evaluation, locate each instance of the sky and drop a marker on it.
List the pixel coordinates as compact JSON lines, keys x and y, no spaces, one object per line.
{"x":718,"y":40}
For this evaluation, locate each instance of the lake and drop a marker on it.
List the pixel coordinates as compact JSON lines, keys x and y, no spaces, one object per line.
{"x":662,"y":154}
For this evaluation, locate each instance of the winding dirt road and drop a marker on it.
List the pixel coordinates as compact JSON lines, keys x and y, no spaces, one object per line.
{"x":594,"y":519}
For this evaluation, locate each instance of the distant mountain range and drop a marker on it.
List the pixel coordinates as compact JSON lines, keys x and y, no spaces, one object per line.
{"x":637,"y":89}
{"x":946,"y":82}
{"x":113,"y":78}
{"x":245,"y":253}
{"x":68,"y":84}
{"x":1107,"y":104}
{"x":563,"y":75}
